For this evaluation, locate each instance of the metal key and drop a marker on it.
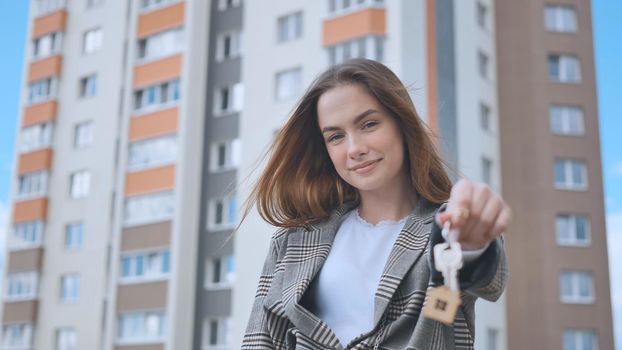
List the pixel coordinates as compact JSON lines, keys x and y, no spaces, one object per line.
{"x":448,"y":258}
{"x":442,"y":302}
{"x":448,"y":261}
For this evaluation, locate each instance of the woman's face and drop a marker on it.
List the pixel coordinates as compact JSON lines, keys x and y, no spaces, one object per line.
{"x":363,"y":141}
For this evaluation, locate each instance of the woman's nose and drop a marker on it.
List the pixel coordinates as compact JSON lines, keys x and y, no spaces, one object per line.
{"x":356,"y":147}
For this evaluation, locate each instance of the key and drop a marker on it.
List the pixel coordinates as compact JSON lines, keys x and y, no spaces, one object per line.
{"x":442,"y":302}
{"x":448,"y":261}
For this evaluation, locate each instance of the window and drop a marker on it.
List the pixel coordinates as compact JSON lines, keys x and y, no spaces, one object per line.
{"x":566,"y":120}
{"x":141,"y":326}
{"x":92,"y":41}
{"x":482,"y":14}
{"x":157,"y":96}
{"x":580,"y":340}
{"x":576,"y":287}
{"x":160,"y":45}
{"x":484,"y":116}
{"x":69,"y":288}
{"x":225,"y":155}
{"x":227,"y":4}
{"x":16,"y":335}
{"x":492,"y":339}
{"x":26,"y":234}
{"x":83,"y":135}
{"x":47,"y":45}
{"x":572,"y":230}
{"x":42,"y":90}
{"x":93,"y":3}
{"x":80,"y":184}
{"x":289,"y":27}
{"x":152,"y":152}
{"x":22,"y":285}
{"x":487,"y":171}
{"x":88,"y":86}
{"x":73,"y":235}
{"x":66,"y":339}
{"x":482,"y":63}
{"x":371,"y":47}
{"x":229,"y":99}
{"x":560,"y":18}
{"x":36,"y":137}
{"x":222,"y":213}
{"x":228,"y":45}
{"x":148,"y":5}
{"x":149,"y":208}
{"x":288,"y":84}
{"x":570,"y":174}
{"x":32,"y":185}
{"x":338,"y":7}
{"x":220,"y":272}
{"x":564,"y":69}
{"x":216,"y":333}
{"x":145,"y":266}
{"x":46,"y":6}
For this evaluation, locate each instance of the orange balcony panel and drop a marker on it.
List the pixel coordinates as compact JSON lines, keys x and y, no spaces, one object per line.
{"x":25,"y":260}
{"x":30,"y":210}
{"x":148,"y":181}
{"x":39,"y":113}
{"x":51,"y":23}
{"x":33,"y":161}
{"x":154,"y":72}
{"x":142,"y":296}
{"x":154,"y":124}
{"x":45,"y":68}
{"x":159,"y":20}
{"x":21,"y":311}
{"x":354,"y":25}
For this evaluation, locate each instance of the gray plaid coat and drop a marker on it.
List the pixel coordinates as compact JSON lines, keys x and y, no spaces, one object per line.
{"x":280,"y":320}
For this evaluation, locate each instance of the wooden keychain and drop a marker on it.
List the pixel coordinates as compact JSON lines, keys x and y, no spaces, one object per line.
{"x":443,"y":301}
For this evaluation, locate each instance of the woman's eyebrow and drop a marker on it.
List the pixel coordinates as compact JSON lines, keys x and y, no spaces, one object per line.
{"x":356,"y":120}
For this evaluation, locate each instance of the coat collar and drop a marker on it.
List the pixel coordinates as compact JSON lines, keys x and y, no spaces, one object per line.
{"x":307,"y":250}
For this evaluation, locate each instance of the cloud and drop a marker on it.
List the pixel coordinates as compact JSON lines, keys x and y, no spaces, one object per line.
{"x":617,"y":168}
{"x":614,"y":243}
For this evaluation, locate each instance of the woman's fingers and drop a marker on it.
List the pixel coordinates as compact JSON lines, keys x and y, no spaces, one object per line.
{"x":482,"y":231}
{"x":477,"y":212}
{"x":459,"y":206}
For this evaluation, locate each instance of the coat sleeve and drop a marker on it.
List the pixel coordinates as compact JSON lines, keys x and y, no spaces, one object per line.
{"x":485,"y":277}
{"x":258,"y":335}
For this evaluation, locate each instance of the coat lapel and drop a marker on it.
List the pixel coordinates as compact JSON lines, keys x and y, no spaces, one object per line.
{"x":409,"y":246}
{"x":306,"y":252}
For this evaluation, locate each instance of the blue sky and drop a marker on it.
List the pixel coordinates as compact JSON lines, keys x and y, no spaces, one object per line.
{"x":608,"y":50}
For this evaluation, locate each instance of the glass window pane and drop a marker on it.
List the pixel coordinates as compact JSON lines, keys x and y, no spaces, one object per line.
{"x":581,"y":228}
{"x":560,"y":172}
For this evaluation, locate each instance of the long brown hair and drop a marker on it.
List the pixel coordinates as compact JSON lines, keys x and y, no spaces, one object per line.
{"x":300,"y":185}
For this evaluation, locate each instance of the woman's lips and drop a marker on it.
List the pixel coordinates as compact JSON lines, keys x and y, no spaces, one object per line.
{"x":369,"y":167}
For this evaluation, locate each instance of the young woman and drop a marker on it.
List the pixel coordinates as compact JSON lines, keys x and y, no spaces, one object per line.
{"x":359,"y":191}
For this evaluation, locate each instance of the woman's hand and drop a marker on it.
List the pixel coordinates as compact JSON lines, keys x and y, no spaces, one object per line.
{"x":477,"y":212}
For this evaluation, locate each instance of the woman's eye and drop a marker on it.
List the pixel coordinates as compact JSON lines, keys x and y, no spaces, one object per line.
{"x":369,"y":124}
{"x":334,"y":138}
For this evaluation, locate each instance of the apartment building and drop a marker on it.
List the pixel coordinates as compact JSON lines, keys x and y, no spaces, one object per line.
{"x":145,"y":122}
{"x":104,"y":221}
{"x":558,"y":294}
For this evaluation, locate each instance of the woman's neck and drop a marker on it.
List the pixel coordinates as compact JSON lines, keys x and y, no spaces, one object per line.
{"x":386,"y":205}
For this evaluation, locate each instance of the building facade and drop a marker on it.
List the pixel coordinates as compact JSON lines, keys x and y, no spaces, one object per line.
{"x":558,"y":294}
{"x":145,"y":124}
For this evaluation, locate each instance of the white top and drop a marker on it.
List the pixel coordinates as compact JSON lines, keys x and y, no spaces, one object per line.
{"x":355,"y":263}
